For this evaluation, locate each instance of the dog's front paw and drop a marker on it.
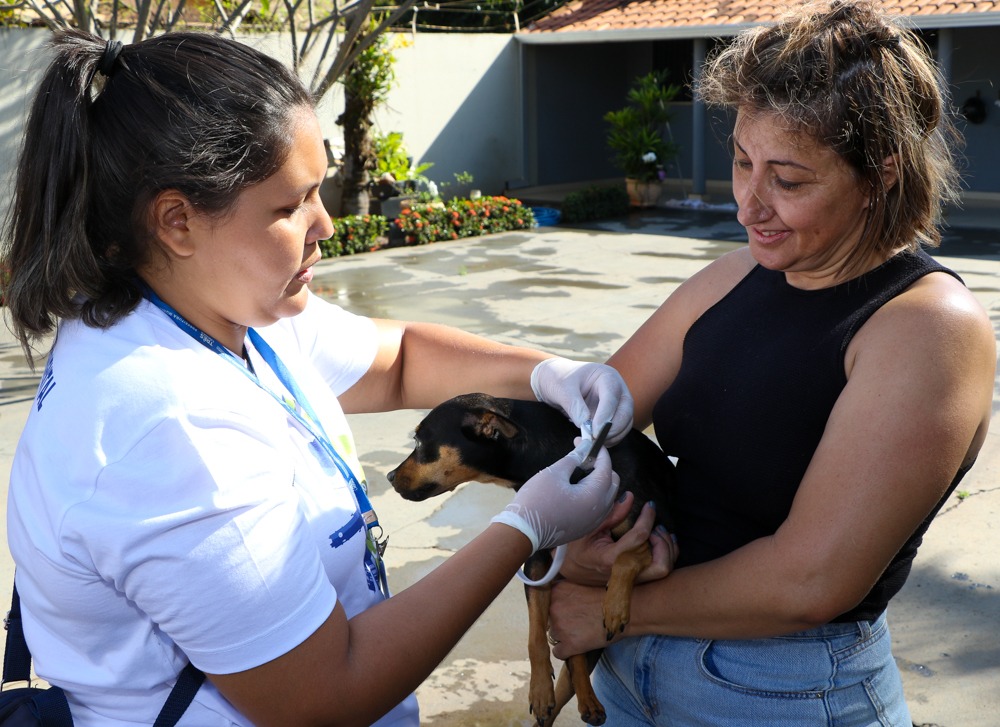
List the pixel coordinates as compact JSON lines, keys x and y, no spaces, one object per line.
{"x":591,"y":710}
{"x":616,"y":615}
{"x":542,"y":699}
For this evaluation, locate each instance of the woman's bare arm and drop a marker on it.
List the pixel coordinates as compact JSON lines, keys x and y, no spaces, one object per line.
{"x":915,"y":409}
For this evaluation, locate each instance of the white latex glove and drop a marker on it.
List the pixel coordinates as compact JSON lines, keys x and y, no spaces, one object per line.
{"x":551,"y":511}
{"x":590,"y":394}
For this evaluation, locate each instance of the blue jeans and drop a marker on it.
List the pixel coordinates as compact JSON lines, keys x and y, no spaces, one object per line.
{"x":839,"y":675}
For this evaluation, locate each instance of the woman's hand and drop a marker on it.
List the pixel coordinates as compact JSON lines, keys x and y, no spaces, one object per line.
{"x":590,"y":394}
{"x":576,"y":619}
{"x":551,"y":511}
{"x":589,"y":559}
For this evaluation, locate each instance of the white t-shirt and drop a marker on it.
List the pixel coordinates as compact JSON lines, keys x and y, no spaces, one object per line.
{"x":164,"y":507}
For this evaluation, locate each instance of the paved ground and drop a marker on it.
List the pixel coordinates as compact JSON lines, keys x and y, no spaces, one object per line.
{"x":580,"y":293}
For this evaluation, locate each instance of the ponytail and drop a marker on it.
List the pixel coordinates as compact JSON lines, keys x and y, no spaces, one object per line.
{"x":48,"y":257}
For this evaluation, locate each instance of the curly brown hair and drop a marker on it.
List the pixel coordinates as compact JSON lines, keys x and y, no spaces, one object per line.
{"x":850,"y":76}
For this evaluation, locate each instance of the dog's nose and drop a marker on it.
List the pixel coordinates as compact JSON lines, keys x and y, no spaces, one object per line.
{"x":391,"y":476}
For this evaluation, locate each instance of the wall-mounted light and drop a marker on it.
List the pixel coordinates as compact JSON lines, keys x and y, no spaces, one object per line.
{"x":974,"y":109}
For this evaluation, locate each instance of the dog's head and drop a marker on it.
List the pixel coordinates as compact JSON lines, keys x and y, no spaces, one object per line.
{"x":465,"y":439}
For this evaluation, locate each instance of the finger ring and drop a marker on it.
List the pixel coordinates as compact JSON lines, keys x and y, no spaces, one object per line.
{"x":552,"y":641}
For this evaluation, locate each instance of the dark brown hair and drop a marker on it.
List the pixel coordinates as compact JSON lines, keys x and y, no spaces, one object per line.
{"x":849,"y":76}
{"x":194,"y":112}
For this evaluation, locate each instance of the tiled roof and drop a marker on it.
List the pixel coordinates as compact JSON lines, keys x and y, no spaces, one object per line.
{"x":587,"y":16}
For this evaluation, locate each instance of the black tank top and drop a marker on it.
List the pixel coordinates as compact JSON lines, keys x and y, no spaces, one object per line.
{"x":760,"y":373}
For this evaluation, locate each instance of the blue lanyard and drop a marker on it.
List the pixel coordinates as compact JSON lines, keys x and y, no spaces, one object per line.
{"x":298,"y":408}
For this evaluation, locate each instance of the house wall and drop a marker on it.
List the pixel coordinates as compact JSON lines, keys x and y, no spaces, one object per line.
{"x":456,"y":100}
{"x":573,"y":87}
{"x":21,"y":62}
{"x":975,"y":67}
{"x":578,"y":83}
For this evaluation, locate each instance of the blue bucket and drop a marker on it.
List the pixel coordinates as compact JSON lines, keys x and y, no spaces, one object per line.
{"x":546,"y":216}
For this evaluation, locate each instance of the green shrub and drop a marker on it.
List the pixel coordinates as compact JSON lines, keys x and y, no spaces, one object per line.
{"x":595,"y":203}
{"x":425,"y":223}
{"x":391,"y":157}
{"x":636,"y":134}
{"x":355,"y":233}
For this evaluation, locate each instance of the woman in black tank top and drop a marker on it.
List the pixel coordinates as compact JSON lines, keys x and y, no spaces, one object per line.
{"x":808,"y":386}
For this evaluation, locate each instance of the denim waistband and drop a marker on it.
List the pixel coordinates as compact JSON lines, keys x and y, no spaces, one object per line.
{"x":864,"y":629}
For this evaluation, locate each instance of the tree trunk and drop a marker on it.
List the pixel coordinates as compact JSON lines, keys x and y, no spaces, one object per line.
{"x":359,"y":157}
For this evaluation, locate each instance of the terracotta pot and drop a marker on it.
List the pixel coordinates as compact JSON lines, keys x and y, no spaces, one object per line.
{"x":643,"y":194}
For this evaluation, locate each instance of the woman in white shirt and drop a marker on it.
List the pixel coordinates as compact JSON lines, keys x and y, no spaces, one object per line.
{"x":186,"y":487}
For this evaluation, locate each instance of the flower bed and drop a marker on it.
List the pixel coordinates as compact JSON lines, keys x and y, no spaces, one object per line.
{"x":356,"y":233}
{"x":428,"y":222}
{"x":424,"y":223}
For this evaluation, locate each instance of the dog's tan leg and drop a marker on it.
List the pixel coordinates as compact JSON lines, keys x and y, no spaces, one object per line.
{"x":618,"y":599}
{"x":590,"y":707}
{"x":564,"y":690}
{"x":541,"y":694}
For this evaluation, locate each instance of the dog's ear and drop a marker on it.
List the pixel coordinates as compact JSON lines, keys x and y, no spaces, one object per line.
{"x":488,"y":425}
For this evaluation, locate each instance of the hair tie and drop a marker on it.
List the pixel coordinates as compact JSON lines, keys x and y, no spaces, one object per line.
{"x":106,"y":66}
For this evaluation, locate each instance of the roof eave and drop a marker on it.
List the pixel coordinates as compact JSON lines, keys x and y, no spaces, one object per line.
{"x":953,"y":20}
{"x":678,"y":32}
{"x":687,"y":32}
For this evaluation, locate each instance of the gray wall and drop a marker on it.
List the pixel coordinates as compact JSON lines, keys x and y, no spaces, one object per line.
{"x":21,"y":60}
{"x":456,"y":100}
{"x":573,"y":85}
{"x":976,"y":67}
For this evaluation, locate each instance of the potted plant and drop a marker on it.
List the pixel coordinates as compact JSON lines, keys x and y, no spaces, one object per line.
{"x":636,"y":137}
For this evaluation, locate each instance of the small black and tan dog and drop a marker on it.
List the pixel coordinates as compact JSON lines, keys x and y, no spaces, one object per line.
{"x":480,"y":438}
